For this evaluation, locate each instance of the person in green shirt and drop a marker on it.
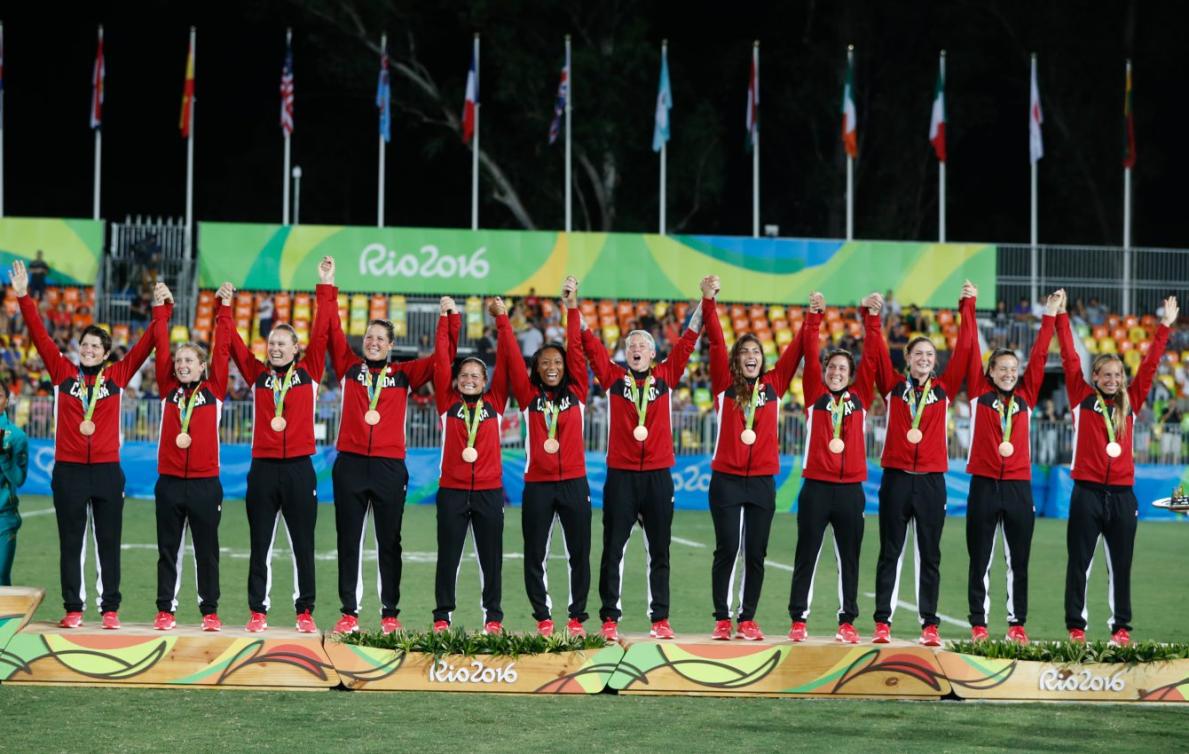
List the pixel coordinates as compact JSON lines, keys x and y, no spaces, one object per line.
{"x":14,"y":466}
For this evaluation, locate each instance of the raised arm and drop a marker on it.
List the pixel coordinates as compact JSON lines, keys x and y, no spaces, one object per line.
{"x":1075,"y":382}
{"x":58,"y":365}
{"x":575,"y":354}
{"x":1034,"y":373}
{"x":121,"y":372}
{"x":1138,"y":391}
{"x":955,"y":370}
{"x":864,"y":384}
{"x":443,"y":359}
{"x":342,"y":356}
{"x":600,"y":362}
{"x":249,"y":366}
{"x":720,"y":365}
{"x":162,"y":362}
{"x":673,"y":367}
{"x":507,"y":357}
{"x":328,"y":300}
{"x":885,"y":373}
{"x":808,"y":341}
{"x":420,"y":371}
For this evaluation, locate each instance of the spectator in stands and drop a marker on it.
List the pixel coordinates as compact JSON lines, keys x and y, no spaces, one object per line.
{"x":39,"y":271}
{"x":530,"y":339}
{"x":1046,"y":434}
{"x":1023,"y":310}
{"x":266,"y":311}
{"x":897,"y":341}
{"x":1096,"y":312}
{"x":485,"y":347}
{"x":891,"y":307}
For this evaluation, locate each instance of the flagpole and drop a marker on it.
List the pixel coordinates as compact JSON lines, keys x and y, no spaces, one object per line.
{"x":569,"y":153}
{"x":1034,"y":261}
{"x":190,"y":150}
{"x":475,"y":147}
{"x":1,"y":123}
{"x":850,"y":165}
{"x":98,"y":137}
{"x":755,"y":149}
{"x":941,"y":171}
{"x":664,"y":145}
{"x":285,"y":171}
{"x":380,"y":178}
{"x":1127,"y":198}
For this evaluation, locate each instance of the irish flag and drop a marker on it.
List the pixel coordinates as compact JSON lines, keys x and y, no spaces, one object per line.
{"x":937,"y":121}
{"x":850,"y":124}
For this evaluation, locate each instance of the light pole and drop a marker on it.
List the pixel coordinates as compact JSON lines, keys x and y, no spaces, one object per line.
{"x":296,"y":194}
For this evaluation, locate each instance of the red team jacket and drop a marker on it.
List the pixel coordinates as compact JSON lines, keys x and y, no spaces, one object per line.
{"x":297,"y":439}
{"x":486,"y":473}
{"x":201,"y":459}
{"x":569,"y":462}
{"x":1090,"y":462}
{"x":623,"y":450}
{"x":386,"y":439}
{"x":986,"y":426}
{"x":850,"y":465}
{"x":928,"y":456}
{"x":731,"y":455}
{"x":71,"y":445}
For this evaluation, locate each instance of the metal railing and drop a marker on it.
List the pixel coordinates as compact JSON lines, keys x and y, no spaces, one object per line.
{"x":137,"y":245}
{"x":693,"y":433}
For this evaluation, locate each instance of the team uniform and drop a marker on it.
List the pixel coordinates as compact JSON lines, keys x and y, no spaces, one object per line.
{"x":912,"y":490}
{"x":188,"y":492}
{"x":639,"y":486}
{"x":833,"y":475}
{"x":369,"y":473}
{"x":1001,"y":485}
{"x":743,"y":474}
{"x":555,"y":485}
{"x":470,"y":493}
{"x":14,"y":467}
{"x":87,"y":482}
{"x":281,"y":480}
{"x":1103,"y":503}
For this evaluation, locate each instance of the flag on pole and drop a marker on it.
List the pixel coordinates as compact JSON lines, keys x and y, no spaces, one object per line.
{"x":753,"y":107}
{"x":468,"y":107}
{"x":559,"y":106}
{"x":664,"y":103}
{"x":97,"y":76}
{"x":1,"y":70}
{"x":186,"y":120}
{"x":1036,"y":147}
{"x":1128,"y":124}
{"x":287,"y":89}
{"x":384,"y":98}
{"x":937,"y":121}
{"x":850,"y":122}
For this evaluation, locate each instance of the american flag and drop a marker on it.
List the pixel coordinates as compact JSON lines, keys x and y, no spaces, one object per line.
{"x":287,"y":88}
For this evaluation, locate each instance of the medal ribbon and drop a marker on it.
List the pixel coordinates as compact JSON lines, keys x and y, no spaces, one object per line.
{"x":189,"y":407}
{"x":373,"y":396}
{"x":278,"y":394}
{"x":90,"y":398}
{"x":749,"y":409}
{"x":551,"y":412}
{"x":1106,"y":418}
{"x":472,"y":422}
{"x":916,"y":408}
{"x":640,"y":397}
{"x":837,"y":408}
{"x":1006,"y":418}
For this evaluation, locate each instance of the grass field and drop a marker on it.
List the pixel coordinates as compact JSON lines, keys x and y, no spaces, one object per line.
{"x":114,"y":719}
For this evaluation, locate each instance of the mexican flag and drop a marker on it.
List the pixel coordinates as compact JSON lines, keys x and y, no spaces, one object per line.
{"x":937,"y":121}
{"x":850,"y":123}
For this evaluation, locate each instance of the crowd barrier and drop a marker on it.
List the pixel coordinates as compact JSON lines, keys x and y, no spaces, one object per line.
{"x":1051,"y":485}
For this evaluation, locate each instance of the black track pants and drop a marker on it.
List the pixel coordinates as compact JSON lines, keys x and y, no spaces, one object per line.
{"x":839,"y":506}
{"x":630,"y":498}
{"x":742,"y":509}
{"x":568,"y":502}
{"x":89,"y":494}
{"x":198,"y":505}
{"x":379,"y":485}
{"x":1111,"y":513}
{"x":996,"y":505}
{"x":917,"y":499}
{"x":281,"y":490}
{"x":482,"y":513}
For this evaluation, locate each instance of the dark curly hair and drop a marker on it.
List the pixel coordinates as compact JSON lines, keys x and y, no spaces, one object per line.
{"x":738,"y":382}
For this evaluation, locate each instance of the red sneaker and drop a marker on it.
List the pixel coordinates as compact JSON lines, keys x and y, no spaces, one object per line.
{"x":211,"y":622}
{"x":257,"y":622}
{"x":441,"y":625}
{"x":930,"y":637}
{"x":545,"y":627}
{"x":847,"y":634}
{"x":722,"y":631}
{"x":1120,"y":638}
{"x":979,"y":633}
{"x":661,"y":629}
{"x":883,"y":633}
{"x":389,"y":625}
{"x":72,"y":619}
{"x":574,"y":628}
{"x":348,"y":624}
{"x":305,"y":623}
{"x":164,"y":621}
{"x":495,"y":627}
{"x":111,"y":621}
{"x":798,"y":632}
{"x":750,"y":630}
{"x":610,"y":630}
{"x":1077,"y":635}
{"x":1018,"y":635}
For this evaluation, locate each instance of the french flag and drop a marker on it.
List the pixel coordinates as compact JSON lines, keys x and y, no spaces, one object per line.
{"x":472,"y":101}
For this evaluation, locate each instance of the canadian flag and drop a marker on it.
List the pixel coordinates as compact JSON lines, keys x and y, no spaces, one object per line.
{"x":937,"y":121}
{"x":850,"y":125}
{"x":468,"y":108}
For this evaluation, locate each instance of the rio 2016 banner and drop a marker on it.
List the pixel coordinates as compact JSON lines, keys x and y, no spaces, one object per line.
{"x":71,"y":247}
{"x":610,"y":265}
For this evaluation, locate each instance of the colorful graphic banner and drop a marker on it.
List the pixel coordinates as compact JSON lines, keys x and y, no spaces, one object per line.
{"x":610,"y":265}
{"x":72,"y":247}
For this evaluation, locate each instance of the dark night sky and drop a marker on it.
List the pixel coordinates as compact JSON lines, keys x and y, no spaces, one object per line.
{"x":48,"y":145}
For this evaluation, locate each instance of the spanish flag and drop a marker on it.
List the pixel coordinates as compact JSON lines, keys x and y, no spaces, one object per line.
{"x":187,"y":119}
